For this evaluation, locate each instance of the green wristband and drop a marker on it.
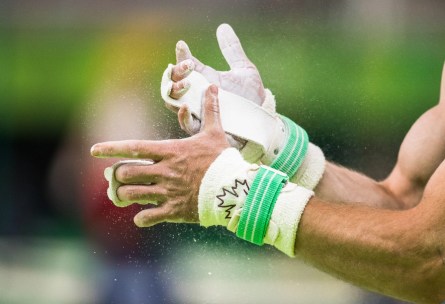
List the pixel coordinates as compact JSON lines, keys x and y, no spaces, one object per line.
{"x":293,"y":153}
{"x":259,"y":204}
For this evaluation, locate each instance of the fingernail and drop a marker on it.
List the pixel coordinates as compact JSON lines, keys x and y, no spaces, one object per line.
{"x":187,"y":65}
{"x":213,"y":89}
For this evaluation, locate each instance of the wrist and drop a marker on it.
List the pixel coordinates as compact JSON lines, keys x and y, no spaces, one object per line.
{"x":312,"y":168}
{"x":290,"y":151}
{"x":224,"y":188}
{"x":223,"y":200}
{"x":284,"y":222}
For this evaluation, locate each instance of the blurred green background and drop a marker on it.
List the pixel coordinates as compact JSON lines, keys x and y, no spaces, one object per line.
{"x":355,"y":74}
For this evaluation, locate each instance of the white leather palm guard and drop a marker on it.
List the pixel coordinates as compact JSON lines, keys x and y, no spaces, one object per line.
{"x":113,"y":184}
{"x":272,"y":139}
{"x":239,"y":116}
{"x":223,"y":193}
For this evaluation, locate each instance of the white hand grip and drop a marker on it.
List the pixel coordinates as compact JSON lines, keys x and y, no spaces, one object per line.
{"x":239,"y":116}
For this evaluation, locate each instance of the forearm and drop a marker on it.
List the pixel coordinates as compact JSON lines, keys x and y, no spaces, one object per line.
{"x":421,"y":152}
{"x":342,"y":185}
{"x":397,"y":253}
{"x":392,"y":252}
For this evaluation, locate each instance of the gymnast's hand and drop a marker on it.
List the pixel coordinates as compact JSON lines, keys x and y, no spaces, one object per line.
{"x":243,"y":78}
{"x":174,"y":179}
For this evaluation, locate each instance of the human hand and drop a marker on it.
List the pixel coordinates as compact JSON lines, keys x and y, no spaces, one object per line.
{"x":248,"y":110}
{"x":179,"y":166}
{"x":243,"y":79}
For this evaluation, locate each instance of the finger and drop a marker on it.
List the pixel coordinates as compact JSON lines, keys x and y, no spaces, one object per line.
{"x":141,"y":193}
{"x":182,"y":69}
{"x":231,"y":47}
{"x":188,"y":123}
{"x":179,"y":88}
{"x":211,"y":118}
{"x":184,"y":117}
{"x":152,"y":216}
{"x":138,"y":174}
{"x":146,"y":149}
{"x":183,"y":53}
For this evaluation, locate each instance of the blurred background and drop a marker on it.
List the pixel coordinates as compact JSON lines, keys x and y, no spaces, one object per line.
{"x":356,"y":74}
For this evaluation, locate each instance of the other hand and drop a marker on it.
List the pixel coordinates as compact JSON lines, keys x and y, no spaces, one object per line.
{"x":175,"y":177}
{"x":242,"y":79}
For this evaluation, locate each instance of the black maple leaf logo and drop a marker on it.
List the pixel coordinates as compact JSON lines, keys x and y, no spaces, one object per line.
{"x":239,"y":187}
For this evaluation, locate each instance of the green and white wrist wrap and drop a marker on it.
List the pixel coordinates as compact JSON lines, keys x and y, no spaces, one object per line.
{"x":301,"y":160}
{"x":257,"y":203}
{"x":291,"y":156}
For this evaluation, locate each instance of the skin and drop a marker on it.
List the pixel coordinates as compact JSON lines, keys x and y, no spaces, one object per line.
{"x":397,"y":253}
{"x":401,"y":190}
{"x":394,"y":252}
{"x":180,"y":164}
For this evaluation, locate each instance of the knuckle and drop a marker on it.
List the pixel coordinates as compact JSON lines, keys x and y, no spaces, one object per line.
{"x":156,"y":174}
{"x":176,"y":71}
{"x":162,"y":192}
{"x":216,"y":134}
{"x":212,"y":106}
{"x":172,"y":175}
{"x":170,"y":211}
{"x":180,"y":85}
{"x":136,"y":148}
{"x":171,"y":150}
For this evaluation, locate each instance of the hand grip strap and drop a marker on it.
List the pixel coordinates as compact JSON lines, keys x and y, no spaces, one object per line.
{"x":259,"y":204}
{"x":279,"y":138}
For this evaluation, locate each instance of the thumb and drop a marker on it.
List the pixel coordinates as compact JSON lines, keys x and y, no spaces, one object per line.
{"x":150,"y":217}
{"x":211,"y":114}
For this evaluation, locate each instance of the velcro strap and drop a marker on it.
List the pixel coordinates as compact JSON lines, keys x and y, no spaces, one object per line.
{"x":292,"y":155}
{"x":259,"y":204}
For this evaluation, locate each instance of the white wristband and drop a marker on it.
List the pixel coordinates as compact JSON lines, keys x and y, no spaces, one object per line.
{"x":224,"y":188}
{"x":223,"y":192}
{"x":311,"y":170}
